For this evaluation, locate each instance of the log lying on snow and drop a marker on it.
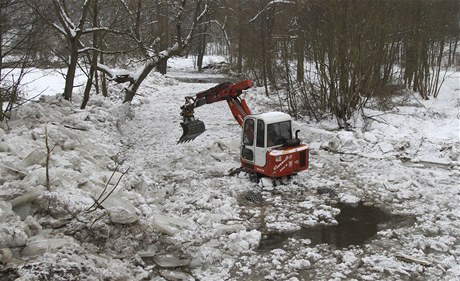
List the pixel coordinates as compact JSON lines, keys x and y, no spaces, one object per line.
{"x":407,"y":258}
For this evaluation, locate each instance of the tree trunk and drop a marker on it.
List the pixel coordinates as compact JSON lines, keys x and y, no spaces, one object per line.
{"x":239,"y":67}
{"x":162,"y":67}
{"x":133,"y":87}
{"x":103,"y":79}
{"x":96,"y":45}
{"x":1,"y":61}
{"x":71,"y":70}
{"x":264,"y":68}
{"x":300,"y":56}
{"x":201,"y":47}
{"x":89,"y":82}
{"x":92,"y":76}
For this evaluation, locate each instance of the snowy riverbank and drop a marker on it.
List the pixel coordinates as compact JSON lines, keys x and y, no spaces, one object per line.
{"x":173,"y":213}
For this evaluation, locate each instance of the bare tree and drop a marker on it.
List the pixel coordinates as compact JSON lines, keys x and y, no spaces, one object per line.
{"x":69,"y":29}
{"x":264,"y":22}
{"x":135,"y":25}
{"x":152,"y":56}
{"x":333,"y":56}
{"x":428,"y":30}
{"x":92,"y":75}
{"x":19,"y":34}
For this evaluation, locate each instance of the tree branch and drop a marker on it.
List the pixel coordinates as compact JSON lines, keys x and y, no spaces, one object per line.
{"x":269,"y":6}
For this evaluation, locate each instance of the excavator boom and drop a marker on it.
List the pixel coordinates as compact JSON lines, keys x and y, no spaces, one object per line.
{"x":268,"y":145}
{"x":227,"y":91}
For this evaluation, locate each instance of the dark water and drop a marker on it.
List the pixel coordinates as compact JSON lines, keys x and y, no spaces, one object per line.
{"x":357,"y":224}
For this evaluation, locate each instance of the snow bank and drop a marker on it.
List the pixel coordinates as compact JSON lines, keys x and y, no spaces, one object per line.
{"x":168,"y":211}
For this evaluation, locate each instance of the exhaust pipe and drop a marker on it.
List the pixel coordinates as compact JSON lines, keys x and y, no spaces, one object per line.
{"x":297,"y":134}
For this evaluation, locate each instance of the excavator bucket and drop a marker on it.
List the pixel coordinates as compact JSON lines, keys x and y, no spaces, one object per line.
{"x":192,"y":129}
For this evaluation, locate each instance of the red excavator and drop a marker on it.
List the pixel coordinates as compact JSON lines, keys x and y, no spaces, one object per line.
{"x":268,"y":147}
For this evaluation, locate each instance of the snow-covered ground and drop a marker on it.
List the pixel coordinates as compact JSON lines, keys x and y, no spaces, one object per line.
{"x":173,"y":213}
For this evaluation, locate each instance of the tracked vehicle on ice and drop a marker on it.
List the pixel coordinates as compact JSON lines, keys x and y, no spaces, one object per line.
{"x":269,"y":146}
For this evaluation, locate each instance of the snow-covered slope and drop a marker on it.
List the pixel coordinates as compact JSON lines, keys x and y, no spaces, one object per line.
{"x":171,"y":212}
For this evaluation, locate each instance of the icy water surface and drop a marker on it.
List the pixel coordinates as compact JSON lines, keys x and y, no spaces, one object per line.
{"x":357,"y":224}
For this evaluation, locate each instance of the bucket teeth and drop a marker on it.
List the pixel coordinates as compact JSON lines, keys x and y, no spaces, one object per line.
{"x":191,"y":130}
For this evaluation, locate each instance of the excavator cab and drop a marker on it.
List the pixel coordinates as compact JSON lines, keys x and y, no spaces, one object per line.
{"x":269,"y":147}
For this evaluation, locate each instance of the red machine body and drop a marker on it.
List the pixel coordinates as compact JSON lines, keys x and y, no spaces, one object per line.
{"x":269,"y":146}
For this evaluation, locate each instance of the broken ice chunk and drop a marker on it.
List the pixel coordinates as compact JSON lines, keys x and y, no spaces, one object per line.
{"x":170,"y":261}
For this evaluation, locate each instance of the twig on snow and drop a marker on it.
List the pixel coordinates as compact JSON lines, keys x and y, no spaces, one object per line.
{"x":98,"y":203}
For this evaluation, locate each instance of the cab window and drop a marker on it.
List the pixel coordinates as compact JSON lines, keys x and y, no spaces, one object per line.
{"x":278,"y":133}
{"x":248,"y":132}
{"x":260,"y":142}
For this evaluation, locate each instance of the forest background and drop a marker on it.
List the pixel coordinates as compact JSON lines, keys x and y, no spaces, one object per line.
{"x":323,"y":58}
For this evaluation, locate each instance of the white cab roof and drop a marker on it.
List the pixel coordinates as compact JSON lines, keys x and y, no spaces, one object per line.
{"x":273,"y":117}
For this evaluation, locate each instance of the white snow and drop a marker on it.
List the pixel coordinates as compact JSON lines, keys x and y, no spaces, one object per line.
{"x":177,"y":206}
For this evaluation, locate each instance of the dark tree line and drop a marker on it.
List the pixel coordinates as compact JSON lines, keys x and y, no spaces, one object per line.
{"x":332,"y":56}
{"x":326,"y":56}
